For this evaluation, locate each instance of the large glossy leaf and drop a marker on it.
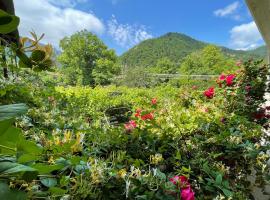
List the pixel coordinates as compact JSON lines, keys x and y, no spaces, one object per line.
{"x":49,"y":182}
{"x":12,"y":110}
{"x":7,"y":168}
{"x":8,"y":23}
{"x":8,"y":194}
{"x":9,"y":137}
{"x":38,"y":55}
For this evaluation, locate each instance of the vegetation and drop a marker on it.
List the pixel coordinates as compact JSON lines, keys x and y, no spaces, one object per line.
{"x":175,"y":47}
{"x":87,"y":60}
{"x":79,"y":142}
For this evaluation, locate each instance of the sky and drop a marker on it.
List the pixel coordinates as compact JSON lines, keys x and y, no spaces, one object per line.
{"x":121,"y":24}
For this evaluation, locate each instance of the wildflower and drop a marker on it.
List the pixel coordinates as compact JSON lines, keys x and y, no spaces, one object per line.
{"x":154,"y":101}
{"x":149,"y":116}
{"x":223,"y":120}
{"x":57,"y":140}
{"x":209,"y":93}
{"x":130,"y":125}
{"x":78,"y":146}
{"x":156,"y":159}
{"x":122,"y":173}
{"x":51,"y":160}
{"x":229,"y":79}
{"x":67,"y":136}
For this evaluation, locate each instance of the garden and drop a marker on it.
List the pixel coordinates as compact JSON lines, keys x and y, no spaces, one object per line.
{"x":60,"y":141}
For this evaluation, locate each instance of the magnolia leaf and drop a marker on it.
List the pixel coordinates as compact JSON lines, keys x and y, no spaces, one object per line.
{"x":49,"y":182}
{"x":12,"y":110}
{"x":7,"y":193}
{"x":38,"y":55}
{"x":8,"y":23}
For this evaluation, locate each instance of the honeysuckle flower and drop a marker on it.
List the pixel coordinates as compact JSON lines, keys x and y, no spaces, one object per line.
{"x":154,"y":101}
{"x":209,"y":93}
{"x":229,"y":79}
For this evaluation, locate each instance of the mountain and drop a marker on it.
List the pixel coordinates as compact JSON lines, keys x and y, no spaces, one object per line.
{"x":175,"y":46}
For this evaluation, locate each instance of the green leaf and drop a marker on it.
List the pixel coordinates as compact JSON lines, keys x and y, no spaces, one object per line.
{"x":14,"y":168}
{"x":57,"y":191}
{"x":8,"y":194}
{"x":219,"y":179}
{"x":11,"y":111}
{"x":46,"y":169}
{"x":8,"y":23}
{"x":9,"y":137}
{"x":228,"y":193}
{"x":24,"y":62}
{"x":38,"y":55}
{"x":49,"y":182}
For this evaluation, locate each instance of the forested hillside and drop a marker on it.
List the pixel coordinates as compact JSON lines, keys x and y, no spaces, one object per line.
{"x":175,"y":46}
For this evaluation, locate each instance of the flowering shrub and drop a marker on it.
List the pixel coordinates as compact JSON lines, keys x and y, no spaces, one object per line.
{"x":173,"y":143}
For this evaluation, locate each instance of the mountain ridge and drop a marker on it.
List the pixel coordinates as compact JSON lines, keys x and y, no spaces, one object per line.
{"x":176,"y":46}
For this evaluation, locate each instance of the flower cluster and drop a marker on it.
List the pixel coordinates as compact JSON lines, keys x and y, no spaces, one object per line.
{"x":209,"y":93}
{"x":130,"y":125}
{"x":227,"y":79}
{"x":182,"y":183}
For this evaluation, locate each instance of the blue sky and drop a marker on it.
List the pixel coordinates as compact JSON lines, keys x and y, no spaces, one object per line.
{"x":122,"y":24}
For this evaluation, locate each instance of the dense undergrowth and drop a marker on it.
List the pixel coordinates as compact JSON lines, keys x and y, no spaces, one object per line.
{"x":122,"y":143}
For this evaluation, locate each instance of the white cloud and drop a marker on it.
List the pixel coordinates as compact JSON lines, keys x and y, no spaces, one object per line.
{"x":127,"y":35}
{"x":56,"y":22}
{"x":245,"y":37}
{"x":230,"y":10}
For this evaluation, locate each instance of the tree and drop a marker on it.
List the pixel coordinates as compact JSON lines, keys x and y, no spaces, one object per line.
{"x":209,"y":61}
{"x":164,"y":66}
{"x":86,"y":52}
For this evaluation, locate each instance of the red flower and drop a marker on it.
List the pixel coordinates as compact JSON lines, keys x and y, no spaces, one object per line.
{"x":186,"y":190}
{"x":130,"y":125}
{"x":229,"y":79}
{"x":187,"y":194}
{"x":138,"y":113}
{"x":149,"y":116}
{"x":154,"y":101}
{"x":209,"y":93}
{"x":222,"y":77}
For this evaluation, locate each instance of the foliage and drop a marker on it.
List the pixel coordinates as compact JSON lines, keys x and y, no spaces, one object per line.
{"x":84,"y":57}
{"x":208,"y":61}
{"x":176,"y":47}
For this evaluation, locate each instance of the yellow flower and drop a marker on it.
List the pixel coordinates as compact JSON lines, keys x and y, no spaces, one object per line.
{"x":57,"y":140}
{"x":51,"y":160}
{"x":67,"y":136}
{"x":156,"y":159}
{"x":122,"y":173}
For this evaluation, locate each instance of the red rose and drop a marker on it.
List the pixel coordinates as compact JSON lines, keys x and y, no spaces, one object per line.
{"x":229,"y":79}
{"x":222,"y":77}
{"x":149,"y":116}
{"x":209,"y":93}
{"x":154,"y":101}
{"x":138,"y":113}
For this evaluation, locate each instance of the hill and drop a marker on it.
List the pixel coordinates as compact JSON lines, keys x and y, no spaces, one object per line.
{"x":175,"y":46}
